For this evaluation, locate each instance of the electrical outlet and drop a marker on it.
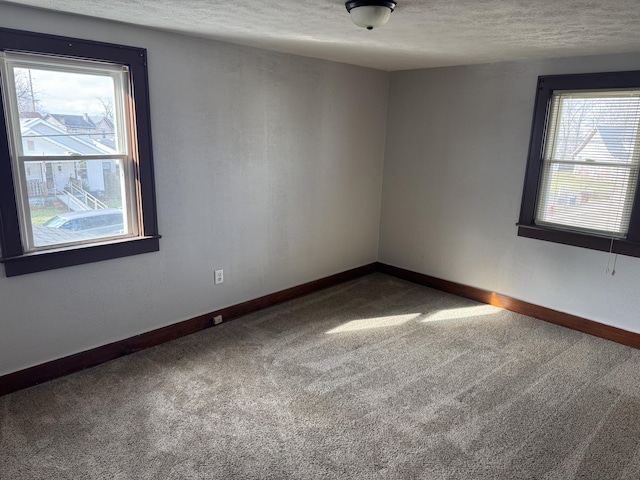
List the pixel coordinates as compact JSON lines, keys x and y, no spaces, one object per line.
{"x":217,"y":320}
{"x":219,"y":276}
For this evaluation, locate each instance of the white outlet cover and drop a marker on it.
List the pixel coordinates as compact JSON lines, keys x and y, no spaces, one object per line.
{"x":219,"y":276}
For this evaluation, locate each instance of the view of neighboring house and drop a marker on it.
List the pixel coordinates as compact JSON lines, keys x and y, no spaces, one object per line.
{"x":608,"y":144}
{"x":72,"y":123}
{"x":104,"y":127}
{"x":600,"y":176}
{"x":62,"y":135}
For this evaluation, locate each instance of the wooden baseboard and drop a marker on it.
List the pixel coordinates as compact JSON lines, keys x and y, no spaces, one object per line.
{"x":548,"y":315}
{"x":90,"y":358}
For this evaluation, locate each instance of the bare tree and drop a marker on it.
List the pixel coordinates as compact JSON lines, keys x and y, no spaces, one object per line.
{"x":621,"y":111}
{"x":577,"y":122}
{"x":28,"y":96}
{"x":107,"y":105}
{"x":580,"y":116}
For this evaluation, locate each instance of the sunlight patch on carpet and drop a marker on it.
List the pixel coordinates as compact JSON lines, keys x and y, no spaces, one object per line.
{"x":460,"y":313}
{"x":375,"y":322}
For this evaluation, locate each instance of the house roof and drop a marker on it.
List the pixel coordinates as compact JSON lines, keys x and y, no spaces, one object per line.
{"x":618,"y":140}
{"x":609,"y":142}
{"x":107,"y":142}
{"x":97,"y":120}
{"x":74,"y":121}
{"x":43,"y":236}
{"x":30,"y":115}
{"x":45,"y":131}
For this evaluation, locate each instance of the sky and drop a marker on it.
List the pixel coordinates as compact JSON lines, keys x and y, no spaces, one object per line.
{"x":70,"y":93}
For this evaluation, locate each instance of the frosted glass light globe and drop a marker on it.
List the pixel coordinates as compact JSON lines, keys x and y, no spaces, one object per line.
{"x":370,"y":16}
{"x":370,"y":13}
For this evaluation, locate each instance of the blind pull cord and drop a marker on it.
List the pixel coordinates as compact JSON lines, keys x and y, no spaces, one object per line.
{"x":615,"y":260}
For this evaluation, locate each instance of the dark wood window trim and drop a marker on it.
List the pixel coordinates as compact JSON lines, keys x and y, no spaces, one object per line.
{"x":15,"y":260}
{"x":526,"y":225}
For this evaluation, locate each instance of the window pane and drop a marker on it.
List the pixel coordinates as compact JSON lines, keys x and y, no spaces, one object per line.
{"x":592,"y":198}
{"x":75,"y":201}
{"x":70,"y":109}
{"x":66,"y":113}
{"x":51,"y":87}
{"x":590,"y":163}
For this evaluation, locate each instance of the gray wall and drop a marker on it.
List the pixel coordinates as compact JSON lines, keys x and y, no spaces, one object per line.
{"x":270,"y":166}
{"x":267,"y":165}
{"x":456,"y":152}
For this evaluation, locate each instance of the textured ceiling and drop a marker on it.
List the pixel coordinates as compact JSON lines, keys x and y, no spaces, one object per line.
{"x":421,"y":33}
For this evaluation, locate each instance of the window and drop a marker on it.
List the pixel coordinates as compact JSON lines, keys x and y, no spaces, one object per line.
{"x":76,"y":168}
{"x":582,"y":173}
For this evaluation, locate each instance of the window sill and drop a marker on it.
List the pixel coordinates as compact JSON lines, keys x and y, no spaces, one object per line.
{"x":593,"y":242}
{"x":52,"y":259}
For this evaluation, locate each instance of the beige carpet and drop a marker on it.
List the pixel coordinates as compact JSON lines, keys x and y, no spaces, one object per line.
{"x":374,"y":379}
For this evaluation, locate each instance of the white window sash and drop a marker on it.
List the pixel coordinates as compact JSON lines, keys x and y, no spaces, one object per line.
{"x":620,"y":211}
{"x":124,"y":122}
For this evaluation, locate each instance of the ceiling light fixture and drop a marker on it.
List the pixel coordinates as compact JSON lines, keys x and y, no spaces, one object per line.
{"x":370,"y":13}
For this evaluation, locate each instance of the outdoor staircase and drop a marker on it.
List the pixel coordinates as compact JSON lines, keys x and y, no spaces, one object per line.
{"x":79,"y":200}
